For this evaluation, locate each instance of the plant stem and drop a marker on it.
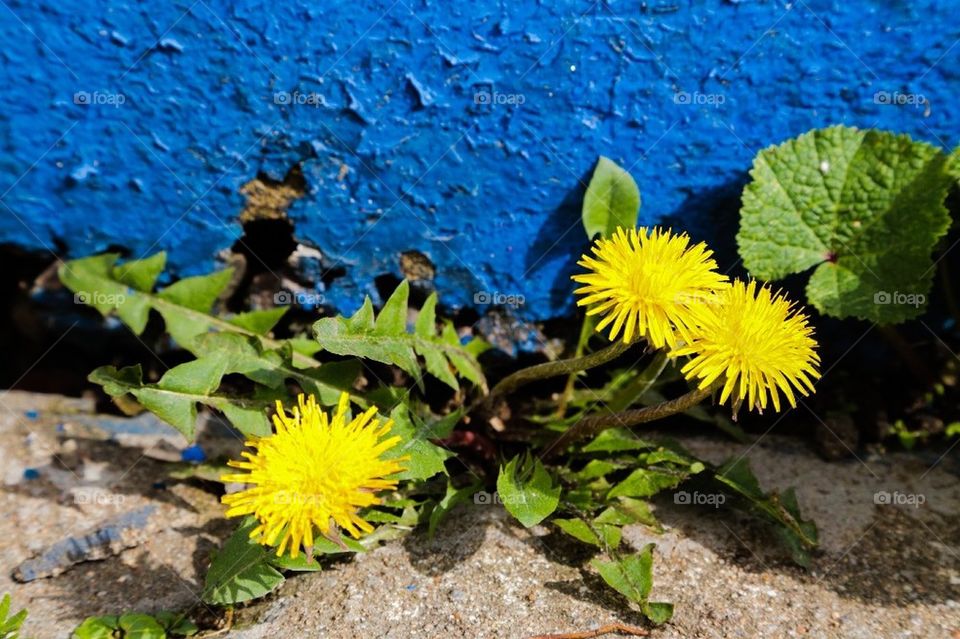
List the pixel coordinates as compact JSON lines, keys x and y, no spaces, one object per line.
{"x":531,"y":374}
{"x":586,"y":331}
{"x":640,"y":384}
{"x":609,"y":629}
{"x":591,"y":426}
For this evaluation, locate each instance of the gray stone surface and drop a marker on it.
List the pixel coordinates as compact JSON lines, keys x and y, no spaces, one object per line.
{"x":884,"y":570}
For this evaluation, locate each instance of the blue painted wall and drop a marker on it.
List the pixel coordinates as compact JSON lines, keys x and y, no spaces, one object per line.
{"x":463,"y":127}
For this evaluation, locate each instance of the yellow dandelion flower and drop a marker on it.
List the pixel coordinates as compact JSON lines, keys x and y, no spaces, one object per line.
{"x":315,"y":471}
{"x":645,"y":282}
{"x":756,"y":343}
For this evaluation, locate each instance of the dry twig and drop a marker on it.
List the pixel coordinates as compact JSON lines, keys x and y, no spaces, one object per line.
{"x":610,"y":628}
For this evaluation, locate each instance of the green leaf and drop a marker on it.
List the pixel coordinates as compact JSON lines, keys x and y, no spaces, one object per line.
{"x":736,"y":474}
{"x":385,"y":339}
{"x":260,"y":322}
{"x":798,"y":535}
{"x":140,"y":626}
{"x":300,"y":564}
{"x":177,"y":624}
{"x":10,"y":625}
{"x":174,"y":398}
{"x":527,"y":490}
{"x":617,"y":440}
{"x":425,"y":459}
{"x":865,"y":207}
{"x":199,"y":292}
{"x":250,"y":419}
{"x":305,"y":346}
{"x":197,"y":376}
{"x":781,"y":510}
{"x":331,"y":380}
{"x":97,"y":628}
{"x":657,"y":611}
{"x":612,"y":200}
{"x":93,"y":282}
{"x":321,"y":546}
{"x":141,"y":274}
{"x":243,"y":355}
{"x":463,"y":358}
{"x":241,"y":570}
{"x":631,"y":576}
{"x":426,"y":327}
{"x":582,"y":531}
{"x":953,"y":164}
{"x":185,"y":305}
{"x":637,"y":510}
{"x":248,"y":356}
{"x":646,"y":482}
{"x":135,"y":626}
{"x":597,"y":468}
{"x":451,"y":499}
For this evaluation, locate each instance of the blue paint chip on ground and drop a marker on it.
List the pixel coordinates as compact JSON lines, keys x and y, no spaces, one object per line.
{"x":193,"y":454}
{"x":31,"y":473}
{"x":31,"y":414}
{"x":109,"y":538}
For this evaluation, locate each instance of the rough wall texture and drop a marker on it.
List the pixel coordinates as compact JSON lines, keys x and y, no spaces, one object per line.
{"x":461,"y":130}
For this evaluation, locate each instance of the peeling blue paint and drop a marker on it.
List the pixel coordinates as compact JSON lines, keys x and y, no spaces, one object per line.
{"x":465,"y":128}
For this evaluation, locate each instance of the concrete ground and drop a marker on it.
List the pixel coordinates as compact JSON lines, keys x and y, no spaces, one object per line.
{"x":884,"y":570}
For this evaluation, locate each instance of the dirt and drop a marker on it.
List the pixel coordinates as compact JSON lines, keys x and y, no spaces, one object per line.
{"x":883,"y":570}
{"x":270,"y":199}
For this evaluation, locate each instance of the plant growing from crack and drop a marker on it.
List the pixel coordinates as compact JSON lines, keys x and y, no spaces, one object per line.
{"x":583,"y":472}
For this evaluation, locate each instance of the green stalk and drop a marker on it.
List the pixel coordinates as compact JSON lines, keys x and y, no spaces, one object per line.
{"x":531,"y":374}
{"x":591,"y":426}
{"x":586,"y":330}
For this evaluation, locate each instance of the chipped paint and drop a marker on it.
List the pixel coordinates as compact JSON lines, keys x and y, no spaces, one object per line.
{"x":269,"y":199}
{"x":458,"y":130}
